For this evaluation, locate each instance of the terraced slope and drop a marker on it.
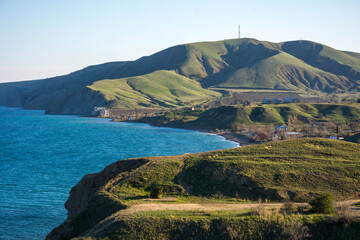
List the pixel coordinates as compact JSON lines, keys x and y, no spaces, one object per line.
{"x":300,"y":66}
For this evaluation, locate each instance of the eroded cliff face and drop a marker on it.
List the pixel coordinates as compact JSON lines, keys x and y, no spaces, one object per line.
{"x":89,"y":202}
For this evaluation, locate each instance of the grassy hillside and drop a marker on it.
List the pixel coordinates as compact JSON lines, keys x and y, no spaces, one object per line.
{"x":197,"y":225}
{"x":287,"y":170}
{"x":160,"y":88}
{"x":325,"y":58}
{"x":354,"y":138}
{"x":301,"y":66}
{"x":280,"y":170}
{"x":228,"y":117}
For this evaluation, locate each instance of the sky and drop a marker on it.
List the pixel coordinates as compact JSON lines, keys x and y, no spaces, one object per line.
{"x":43,"y":38}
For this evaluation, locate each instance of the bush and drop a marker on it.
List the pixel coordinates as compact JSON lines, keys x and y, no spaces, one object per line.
{"x":295,"y":231}
{"x":302,"y":209}
{"x":322,"y":204}
{"x":156,"y":192}
{"x":289,"y":207}
{"x":343,"y":215}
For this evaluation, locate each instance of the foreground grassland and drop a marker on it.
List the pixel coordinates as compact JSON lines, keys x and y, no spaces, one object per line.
{"x":103,"y":205}
{"x":223,"y":227}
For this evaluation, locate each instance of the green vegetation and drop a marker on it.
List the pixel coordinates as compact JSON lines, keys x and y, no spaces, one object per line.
{"x":281,"y":170}
{"x":156,"y":192}
{"x":183,"y":75}
{"x":293,"y":170}
{"x":323,"y":204}
{"x":228,"y":117}
{"x":160,"y":88}
{"x":222,"y":227}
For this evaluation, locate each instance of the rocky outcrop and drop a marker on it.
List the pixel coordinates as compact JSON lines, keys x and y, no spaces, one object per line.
{"x":89,"y":203}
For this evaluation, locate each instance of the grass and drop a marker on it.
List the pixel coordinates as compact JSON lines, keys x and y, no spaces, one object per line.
{"x":160,"y":88}
{"x":225,"y":225}
{"x":228,"y":117}
{"x":287,"y":170}
{"x":290,"y":169}
{"x":278,"y":171}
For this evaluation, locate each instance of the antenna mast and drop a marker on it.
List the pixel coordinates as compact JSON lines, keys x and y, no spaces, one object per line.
{"x":239,"y":32}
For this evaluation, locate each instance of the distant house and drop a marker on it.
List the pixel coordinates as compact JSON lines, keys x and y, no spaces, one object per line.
{"x":281,"y":128}
{"x":291,"y":100}
{"x":100,"y":111}
{"x":104,"y":113}
{"x":267,"y":101}
{"x":262,"y":136}
{"x":276,"y":101}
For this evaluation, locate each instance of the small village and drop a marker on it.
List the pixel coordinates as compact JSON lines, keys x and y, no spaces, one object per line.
{"x":254,"y":133}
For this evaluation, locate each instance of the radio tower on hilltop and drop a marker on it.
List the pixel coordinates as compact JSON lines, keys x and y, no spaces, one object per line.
{"x":239,"y":32}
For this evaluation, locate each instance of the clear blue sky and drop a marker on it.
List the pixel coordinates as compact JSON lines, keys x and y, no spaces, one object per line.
{"x":45,"y":38}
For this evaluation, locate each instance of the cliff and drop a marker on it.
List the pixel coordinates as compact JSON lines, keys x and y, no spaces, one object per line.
{"x":104,"y":204}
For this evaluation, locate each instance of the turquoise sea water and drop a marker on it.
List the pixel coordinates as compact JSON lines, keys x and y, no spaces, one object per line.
{"x":43,"y":156}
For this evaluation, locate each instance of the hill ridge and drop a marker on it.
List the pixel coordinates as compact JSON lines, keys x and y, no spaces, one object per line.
{"x":303,"y":66}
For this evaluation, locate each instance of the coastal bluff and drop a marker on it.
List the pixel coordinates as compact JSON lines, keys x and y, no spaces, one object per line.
{"x":102,"y":205}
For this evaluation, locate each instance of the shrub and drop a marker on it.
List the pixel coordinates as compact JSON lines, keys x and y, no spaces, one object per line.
{"x":156,"y":192}
{"x":289,"y":207}
{"x":322,"y":204}
{"x":343,"y":215}
{"x":258,"y":210}
{"x":295,"y":231}
{"x":302,"y":209}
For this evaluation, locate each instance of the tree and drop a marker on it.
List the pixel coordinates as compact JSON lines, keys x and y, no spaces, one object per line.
{"x":323,"y":204}
{"x":156,"y":192}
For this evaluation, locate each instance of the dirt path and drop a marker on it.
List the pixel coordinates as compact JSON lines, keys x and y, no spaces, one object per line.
{"x":209,"y":206}
{"x":194,"y":207}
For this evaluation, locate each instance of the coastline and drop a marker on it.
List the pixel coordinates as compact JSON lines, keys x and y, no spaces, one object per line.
{"x":241,"y":140}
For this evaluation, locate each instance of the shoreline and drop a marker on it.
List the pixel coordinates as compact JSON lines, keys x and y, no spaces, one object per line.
{"x":241,"y":140}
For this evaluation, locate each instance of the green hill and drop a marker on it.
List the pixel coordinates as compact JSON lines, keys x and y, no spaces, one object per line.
{"x":159,"y":88}
{"x":300,"y":66}
{"x":228,"y":117}
{"x":279,"y":171}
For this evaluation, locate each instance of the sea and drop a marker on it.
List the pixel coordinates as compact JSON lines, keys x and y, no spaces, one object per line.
{"x":43,"y":156}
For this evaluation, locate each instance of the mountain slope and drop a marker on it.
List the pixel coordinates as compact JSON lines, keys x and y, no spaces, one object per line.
{"x":237,"y":63}
{"x":325,"y":58}
{"x":159,"y":88}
